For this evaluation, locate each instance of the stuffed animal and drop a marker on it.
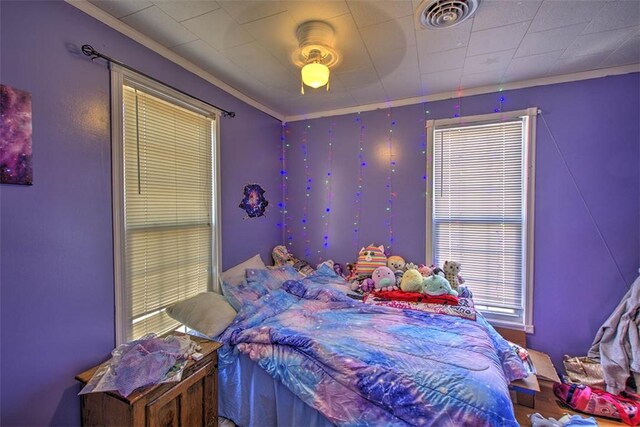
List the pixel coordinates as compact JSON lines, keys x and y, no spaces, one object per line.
{"x":395,"y":263}
{"x":412,"y":281}
{"x":410,"y":266}
{"x":438,"y":285}
{"x":424,"y":270}
{"x":384,"y":279}
{"x":281,"y":256}
{"x":451,"y":270}
{"x":369,"y":259}
{"x":337,"y":267}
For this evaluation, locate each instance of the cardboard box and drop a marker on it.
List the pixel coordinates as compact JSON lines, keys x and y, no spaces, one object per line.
{"x":525,"y":389}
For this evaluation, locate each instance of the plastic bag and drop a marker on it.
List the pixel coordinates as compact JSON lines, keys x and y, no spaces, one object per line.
{"x":584,"y":370}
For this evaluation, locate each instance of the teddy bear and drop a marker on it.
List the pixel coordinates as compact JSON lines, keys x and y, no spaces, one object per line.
{"x":451,"y":273}
{"x":437,"y":285}
{"x":412,"y":281}
{"x":369,"y":259}
{"x":384,"y":279}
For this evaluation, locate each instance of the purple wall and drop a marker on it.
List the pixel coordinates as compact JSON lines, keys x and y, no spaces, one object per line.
{"x":57,"y":270}
{"x":587,"y":251}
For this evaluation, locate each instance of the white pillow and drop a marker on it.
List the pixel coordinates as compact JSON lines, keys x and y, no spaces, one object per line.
{"x":235,"y":275}
{"x":208,"y":313}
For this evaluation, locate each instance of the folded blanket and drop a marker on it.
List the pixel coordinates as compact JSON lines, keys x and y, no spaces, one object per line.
{"x":414,"y":297}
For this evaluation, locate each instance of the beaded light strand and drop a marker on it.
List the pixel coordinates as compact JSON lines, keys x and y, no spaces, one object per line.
{"x":392,"y":195}
{"x":328,"y":185}
{"x":361,"y":165}
{"x":286,"y":232}
{"x":305,"y":204}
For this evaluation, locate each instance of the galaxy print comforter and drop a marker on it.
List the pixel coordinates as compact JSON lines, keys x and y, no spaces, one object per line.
{"x":363,"y":365}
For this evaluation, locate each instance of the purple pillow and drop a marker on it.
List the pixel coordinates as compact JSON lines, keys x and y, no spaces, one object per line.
{"x":273,"y":278}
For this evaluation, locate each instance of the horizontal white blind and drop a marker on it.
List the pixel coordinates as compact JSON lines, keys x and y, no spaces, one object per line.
{"x":168,"y":208}
{"x":478,"y":210}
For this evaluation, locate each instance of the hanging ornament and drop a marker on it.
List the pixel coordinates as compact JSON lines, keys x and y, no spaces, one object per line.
{"x":253,"y":201}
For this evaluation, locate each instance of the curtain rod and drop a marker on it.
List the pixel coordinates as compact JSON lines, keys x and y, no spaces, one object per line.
{"x":88,"y":50}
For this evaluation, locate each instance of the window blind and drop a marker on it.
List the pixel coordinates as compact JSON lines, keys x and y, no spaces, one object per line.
{"x":167,"y":208}
{"x":478,"y":216}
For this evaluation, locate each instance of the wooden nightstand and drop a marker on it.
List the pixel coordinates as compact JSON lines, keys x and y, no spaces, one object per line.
{"x":191,"y":402}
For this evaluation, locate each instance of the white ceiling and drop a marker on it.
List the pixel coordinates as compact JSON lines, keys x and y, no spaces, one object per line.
{"x":248,"y":45}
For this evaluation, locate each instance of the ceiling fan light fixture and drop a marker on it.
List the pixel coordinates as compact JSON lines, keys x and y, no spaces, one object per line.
{"x":315,"y":54}
{"x":315,"y":75}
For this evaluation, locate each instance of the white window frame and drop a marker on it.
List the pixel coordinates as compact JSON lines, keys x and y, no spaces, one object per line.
{"x":529,"y":171}
{"x":119,"y":77}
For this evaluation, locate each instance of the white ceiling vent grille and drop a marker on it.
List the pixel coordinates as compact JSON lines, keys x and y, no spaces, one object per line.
{"x":444,"y":13}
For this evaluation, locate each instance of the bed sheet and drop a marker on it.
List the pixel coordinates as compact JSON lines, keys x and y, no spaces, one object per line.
{"x":250,"y":397}
{"x":362,"y":365}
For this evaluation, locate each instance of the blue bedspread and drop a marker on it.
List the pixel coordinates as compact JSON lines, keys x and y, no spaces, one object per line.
{"x":362,"y":365}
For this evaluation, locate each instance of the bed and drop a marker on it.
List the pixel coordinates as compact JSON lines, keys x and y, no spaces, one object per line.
{"x":303,"y":352}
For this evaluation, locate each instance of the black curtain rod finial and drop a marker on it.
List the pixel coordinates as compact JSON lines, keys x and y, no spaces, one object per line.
{"x":88,"y":50}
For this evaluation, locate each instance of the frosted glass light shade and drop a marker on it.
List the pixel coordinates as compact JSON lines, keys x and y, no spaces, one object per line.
{"x":315,"y":75}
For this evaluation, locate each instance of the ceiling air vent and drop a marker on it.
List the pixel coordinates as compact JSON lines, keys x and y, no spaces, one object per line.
{"x":444,"y":13}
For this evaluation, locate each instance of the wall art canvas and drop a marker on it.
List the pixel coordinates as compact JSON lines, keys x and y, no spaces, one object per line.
{"x":253,"y":202}
{"x":15,"y":136}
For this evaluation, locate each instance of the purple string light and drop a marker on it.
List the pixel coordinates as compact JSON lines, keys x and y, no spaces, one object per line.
{"x":328,"y":184}
{"x":392,"y":170}
{"x":362,"y":164}
{"x":307,"y":183}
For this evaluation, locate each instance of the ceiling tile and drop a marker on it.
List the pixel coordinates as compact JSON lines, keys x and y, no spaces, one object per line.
{"x":207,"y":58}
{"x":496,"y":61}
{"x":628,"y":53}
{"x":357,"y":78}
{"x":156,"y":24}
{"x":530,"y":67}
{"x":277,"y":34}
{"x":577,"y":64}
{"x":388,"y":61}
{"x":259,"y":63}
{"x":368,"y":94}
{"x":443,"y":81}
{"x":218,"y":29}
{"x":377,"y":11}
{"x":247,"y":11}
{"x":403,"y":81}
{"x":302,"y":11}
{"x":497,"y":39}
{"x":591,"y":44}
{"x":497,"y":13}
{"x":396,"y":34}
{"x":121,"y":8}
{"x":556,"y":14}
{"x":350,"y":45}
{"x":181,"y":10}
{"x":614,"y":15}
{"x":442,"y":61}
{"x":487,"y":78}
{"x":549,"y":41}
{"x":431,"y":41}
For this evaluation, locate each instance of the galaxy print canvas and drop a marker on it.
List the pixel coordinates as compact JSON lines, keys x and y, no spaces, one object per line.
{"x":15,"y":136}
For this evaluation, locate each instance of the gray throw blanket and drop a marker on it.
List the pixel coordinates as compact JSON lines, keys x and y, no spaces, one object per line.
{"x":617,"y":343}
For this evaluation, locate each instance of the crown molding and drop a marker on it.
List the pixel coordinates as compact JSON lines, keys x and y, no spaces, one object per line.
{"x":585,"y":75}
{"x":107,"y":19}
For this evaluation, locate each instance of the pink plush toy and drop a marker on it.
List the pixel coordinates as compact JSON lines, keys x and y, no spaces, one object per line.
{"x":384,"y":279}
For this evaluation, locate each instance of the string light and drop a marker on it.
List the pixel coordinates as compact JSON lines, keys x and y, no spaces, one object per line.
{"x":285,"y":187}
{"x":328,"y":186}
{"x":362,"y":164}
{"x":501,"y":100}
{"x":307,"y":181}
{"x":423,"y":140}
{"x":392,"y":170}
